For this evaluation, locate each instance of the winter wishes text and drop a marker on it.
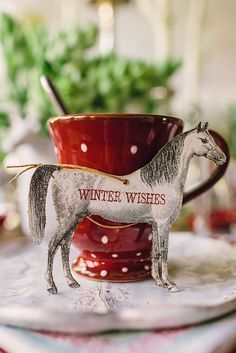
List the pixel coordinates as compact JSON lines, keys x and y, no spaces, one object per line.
{"x":117,"y":196}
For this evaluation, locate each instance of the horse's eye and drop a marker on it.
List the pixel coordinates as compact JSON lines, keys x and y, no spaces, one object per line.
{"x":204,"y":140}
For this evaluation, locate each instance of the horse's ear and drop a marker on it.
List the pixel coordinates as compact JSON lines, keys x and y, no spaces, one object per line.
{"x":202,"y":128}
{"x":199,"y":127}
{"x":205,"y":126}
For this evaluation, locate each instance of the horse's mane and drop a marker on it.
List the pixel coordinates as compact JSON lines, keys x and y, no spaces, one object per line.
{"x":163,"y":168}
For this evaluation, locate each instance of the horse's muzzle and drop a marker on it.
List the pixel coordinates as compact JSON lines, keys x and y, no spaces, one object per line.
{"x":220,"y":160}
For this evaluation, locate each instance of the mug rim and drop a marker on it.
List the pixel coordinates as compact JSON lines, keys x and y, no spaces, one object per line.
{"x":103,"y":116}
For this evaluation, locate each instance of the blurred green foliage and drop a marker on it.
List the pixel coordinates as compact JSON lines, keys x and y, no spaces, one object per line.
{"x":86,"y":82}
{"x":232,"y":129}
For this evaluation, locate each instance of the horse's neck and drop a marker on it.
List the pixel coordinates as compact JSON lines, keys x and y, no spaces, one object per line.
{"x":184,"y":162}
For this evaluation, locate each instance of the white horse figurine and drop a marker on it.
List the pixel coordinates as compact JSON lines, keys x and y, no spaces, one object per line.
{"x":156,"y":189}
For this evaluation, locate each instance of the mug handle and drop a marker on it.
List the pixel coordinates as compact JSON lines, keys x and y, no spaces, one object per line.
{"x":216,"y":174}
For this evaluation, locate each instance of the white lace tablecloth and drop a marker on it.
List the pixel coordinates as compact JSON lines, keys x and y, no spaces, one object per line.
{"x":205,"y":268}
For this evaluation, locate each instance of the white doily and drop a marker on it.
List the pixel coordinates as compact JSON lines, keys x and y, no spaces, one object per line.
{"x":205,"y":268}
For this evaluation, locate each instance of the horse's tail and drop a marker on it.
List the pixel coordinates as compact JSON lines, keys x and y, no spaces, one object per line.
{"x":37,"y":200}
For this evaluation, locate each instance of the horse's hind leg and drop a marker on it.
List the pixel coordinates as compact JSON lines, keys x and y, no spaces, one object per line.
{"x":52,"y":249}
{"x":65,"y":252}
{"x":62,"y":237}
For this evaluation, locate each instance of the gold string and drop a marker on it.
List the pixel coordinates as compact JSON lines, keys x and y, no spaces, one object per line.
{"x":35,"y":165}
{"x":28,"y":167}
{"x":111,"y":227}
{"x":69,"y":166}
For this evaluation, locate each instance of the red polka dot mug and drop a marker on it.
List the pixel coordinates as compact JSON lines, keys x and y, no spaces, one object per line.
{"x":117,"y":144}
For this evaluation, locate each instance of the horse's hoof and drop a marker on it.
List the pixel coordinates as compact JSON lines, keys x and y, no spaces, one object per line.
{"x":52,"y":290}
{"x":174,"y":289}
{"x":168,"y":282}
{"x":74,"y":285}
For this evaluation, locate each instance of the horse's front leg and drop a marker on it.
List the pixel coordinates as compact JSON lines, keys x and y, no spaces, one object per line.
{"x":156,"y":258}
{"x":164,"y":247}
